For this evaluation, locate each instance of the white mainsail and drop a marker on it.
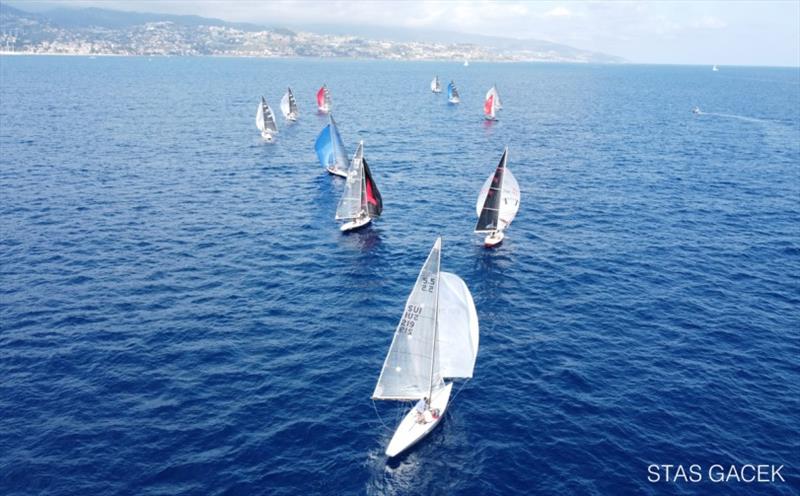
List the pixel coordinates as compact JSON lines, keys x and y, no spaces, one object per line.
{"x":411,"y":370}
{"x":458,"y":328}
{"x":269,"y":120}
{"x":289,"y":105}
{"x":436,"y":86}
{"x":509,"y":201}
{"x":351,"y":203}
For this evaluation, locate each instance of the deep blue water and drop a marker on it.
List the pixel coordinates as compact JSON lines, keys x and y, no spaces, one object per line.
{"x":179,"y":313}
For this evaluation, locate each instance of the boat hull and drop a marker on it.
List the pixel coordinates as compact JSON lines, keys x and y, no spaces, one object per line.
{"x":493,"y":239}
{"x":355,"y":224}
{"x":324,"y":110}
{"x":410,"y":432}
{"x":336,"y":172}
{"x":454,"y":101}
{"x":266,"y":135}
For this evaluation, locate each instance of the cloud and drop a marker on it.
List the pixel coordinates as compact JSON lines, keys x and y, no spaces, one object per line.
{"x":558,"y":12}
{"x":709,"y":22}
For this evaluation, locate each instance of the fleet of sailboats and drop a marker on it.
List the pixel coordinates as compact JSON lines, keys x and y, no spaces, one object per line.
{"x":498,"y":203}
{"x":289,"y":106}
{"x":436,"y":85}
{"x":265,"y":120}
{"x":452,"y":93}
{"x":330,"y":149}
{"x":361,"y":201}
{"x":324,"y":102}
{"x":436,"y":339}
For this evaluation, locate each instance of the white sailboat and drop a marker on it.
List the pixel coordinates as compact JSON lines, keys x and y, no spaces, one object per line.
{"x":289,"y":106}
{"x":436,"y":86}
{"x":498,"y":103}
{"x":466,"y":62}
{"x":361,"y":201}
{"x":498,"y":203}
{"x":265,"y":120}
{"x":715,"y":68}
{"x":437,"y":338}
{"x":324,"y":102}
{"x":491,"y":105}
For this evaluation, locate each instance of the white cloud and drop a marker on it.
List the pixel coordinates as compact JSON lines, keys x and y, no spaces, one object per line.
{"x":558,"y":12}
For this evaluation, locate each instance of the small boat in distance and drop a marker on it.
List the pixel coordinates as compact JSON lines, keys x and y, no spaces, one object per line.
{"x":715,"y":68}
{"x":265,"y":120}
{"x":498,"y":104}
{"x":289,"y":106}
{"x":490,"y":107}
{"x":436,"y":86}
{"x":361,"y":201}
{"x":437,"y":338}
{"x":498,"y":203}
{"x":330,"y":149}
{"x":452,"y":93}
{"x":324,"y":99}
{"x":696,"y":110}
{"x":466,"y":62}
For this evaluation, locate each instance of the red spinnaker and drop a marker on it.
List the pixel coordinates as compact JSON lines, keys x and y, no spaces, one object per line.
{"x":321,"y":97}
{"x":487,"y":107}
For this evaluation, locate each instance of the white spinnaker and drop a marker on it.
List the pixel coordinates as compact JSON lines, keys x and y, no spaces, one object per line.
{"x":458,"y":332}
{"x":260,"y":117}
{"x":411,"y":370}
{"x":285,"y":107}
{"x":350,"y":205}
{"x":509,"y":204}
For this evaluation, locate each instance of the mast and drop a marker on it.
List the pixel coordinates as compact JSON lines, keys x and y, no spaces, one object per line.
{"x":435,"y":320}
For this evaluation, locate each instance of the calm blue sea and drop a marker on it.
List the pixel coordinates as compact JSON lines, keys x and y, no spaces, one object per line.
{"x":179,"y":313}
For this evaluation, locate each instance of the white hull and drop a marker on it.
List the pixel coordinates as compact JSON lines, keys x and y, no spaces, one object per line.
{"x":291,"y":117}
{"x":337,"y":172}
{"x":355,"y":224}
{"x":410,"y":431}
{"x":437,"y":91}
{"x":493,"y":239}
{"x":489,"y":118}
{"x":266,"y":135}
{"x":454,"y":100}
{"x":324,"y":109}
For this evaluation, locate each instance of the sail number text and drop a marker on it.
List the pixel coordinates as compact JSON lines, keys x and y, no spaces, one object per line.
{"x":409,"y":320}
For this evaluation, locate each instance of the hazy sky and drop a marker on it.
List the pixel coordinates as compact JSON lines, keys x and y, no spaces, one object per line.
{"x":705,"y":32}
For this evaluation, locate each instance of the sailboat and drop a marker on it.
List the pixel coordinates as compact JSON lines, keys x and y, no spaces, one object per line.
{"x":490,"y":106}
{"x":361,"y":201}
{"x":493,"y":92}
{"x":324,"y":99}
{"x":466,"y":62}
{"x":265,"y":120}
{"x":715,"y":68}
{"x":289,"y":106}
{"x":330,"y":149}
{"x":436,"y":86}
{"x":452,"y":93}
{"x":437,"y":338}
{"x":498,"y":203}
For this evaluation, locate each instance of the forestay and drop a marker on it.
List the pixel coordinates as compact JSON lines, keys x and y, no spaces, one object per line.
{"x":411,"y":370}
{"x":458,"y":333}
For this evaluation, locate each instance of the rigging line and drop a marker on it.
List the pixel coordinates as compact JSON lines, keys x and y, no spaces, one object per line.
{"x":379,"y":417}
{"x":458,"y":391}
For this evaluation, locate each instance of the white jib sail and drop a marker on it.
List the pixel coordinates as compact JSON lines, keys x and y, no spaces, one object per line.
{"x":350,"y":205}
{"x":260,"y":117}
{"x":509,"y":204}
{"x":411,"y":371}
{"x":458,"y":332}
{"x":285,"y":107}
